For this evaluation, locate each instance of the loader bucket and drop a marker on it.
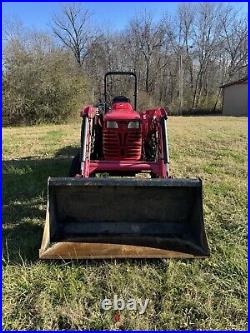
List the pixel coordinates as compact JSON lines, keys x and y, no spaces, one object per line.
{"x":124,"y":218}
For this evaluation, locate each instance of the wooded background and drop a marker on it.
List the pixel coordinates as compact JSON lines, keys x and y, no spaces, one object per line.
{"x":181,"y":61}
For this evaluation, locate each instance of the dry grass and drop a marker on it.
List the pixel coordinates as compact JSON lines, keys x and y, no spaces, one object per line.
{"x":184,"y":294}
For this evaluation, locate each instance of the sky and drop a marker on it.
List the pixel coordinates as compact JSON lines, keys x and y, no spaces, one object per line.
{"x":114,"y":15}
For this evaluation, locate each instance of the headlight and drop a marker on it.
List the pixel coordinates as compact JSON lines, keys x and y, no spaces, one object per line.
{"x":112,"y":124}
{"x":134,"y":124}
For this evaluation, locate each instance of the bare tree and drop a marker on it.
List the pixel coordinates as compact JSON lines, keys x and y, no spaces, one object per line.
{"x":184,"y":58}
{"x":73,"y":30}
{"x":12,"y":29}
{"x":234,"y":41}
{"x":148,"y":39}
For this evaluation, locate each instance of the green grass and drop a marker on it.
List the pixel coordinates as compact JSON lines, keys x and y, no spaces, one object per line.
{"x":184,"y":294}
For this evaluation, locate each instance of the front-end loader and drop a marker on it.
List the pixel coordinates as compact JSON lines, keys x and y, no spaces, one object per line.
{"x":104,"y":210}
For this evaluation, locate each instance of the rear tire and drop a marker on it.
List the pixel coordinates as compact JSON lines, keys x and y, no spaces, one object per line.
{"x":75,"y":167}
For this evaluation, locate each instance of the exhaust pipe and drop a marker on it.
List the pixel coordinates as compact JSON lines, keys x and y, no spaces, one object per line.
{"x":92,"y":218}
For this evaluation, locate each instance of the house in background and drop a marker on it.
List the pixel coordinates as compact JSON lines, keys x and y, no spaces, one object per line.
{"x":235,"y":98}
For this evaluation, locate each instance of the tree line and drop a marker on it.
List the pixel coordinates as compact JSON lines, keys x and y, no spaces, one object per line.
{"x":181,"y":61}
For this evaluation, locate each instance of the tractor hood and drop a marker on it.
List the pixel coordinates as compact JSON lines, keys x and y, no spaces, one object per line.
{"x":122,"y":111}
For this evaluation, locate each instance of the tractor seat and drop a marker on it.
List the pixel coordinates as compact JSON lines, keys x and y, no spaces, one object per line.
{"x":120,"y":99}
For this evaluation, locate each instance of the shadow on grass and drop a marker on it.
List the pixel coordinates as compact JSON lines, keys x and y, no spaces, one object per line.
{"x":21,"y":243}
{"x":24,"y":205}
{"x":67,"y":152}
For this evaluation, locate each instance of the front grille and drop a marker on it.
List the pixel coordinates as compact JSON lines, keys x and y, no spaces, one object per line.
{"x":121,"y":143}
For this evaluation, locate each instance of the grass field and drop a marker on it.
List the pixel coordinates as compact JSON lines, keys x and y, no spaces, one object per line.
{"x":184,"y":294}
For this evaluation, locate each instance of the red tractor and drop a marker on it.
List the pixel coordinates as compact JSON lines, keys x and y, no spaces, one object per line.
{"x":118,"y":140}
{"x":90,"y":216}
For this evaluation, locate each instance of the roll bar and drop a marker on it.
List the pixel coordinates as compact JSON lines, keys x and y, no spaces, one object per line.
{"x":120,"y":73}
